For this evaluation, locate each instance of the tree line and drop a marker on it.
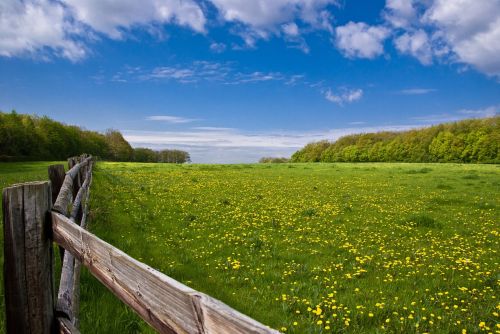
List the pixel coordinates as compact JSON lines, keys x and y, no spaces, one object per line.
{"x":273,"y":160}
{"x":467,"y":141}
{"x":30,"y":137}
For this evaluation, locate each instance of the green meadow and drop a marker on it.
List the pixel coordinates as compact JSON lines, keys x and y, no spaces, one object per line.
{"x":305,"y":248}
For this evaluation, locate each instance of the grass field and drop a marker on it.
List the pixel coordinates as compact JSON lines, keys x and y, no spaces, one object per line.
{"x":307,"y":248}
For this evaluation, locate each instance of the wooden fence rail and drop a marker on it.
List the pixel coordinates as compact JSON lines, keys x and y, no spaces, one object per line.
{"x":35,"y":215}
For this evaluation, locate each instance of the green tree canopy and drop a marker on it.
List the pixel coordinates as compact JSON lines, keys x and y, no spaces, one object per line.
{"x":474,"y":140}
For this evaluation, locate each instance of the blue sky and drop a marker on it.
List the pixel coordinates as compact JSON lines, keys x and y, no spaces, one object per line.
{"x":235,"y":80}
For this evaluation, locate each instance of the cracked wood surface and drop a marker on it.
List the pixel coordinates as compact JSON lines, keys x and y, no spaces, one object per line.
{"x":28,"y":261}
{"x":167,"y":305}
{"x":68,"y":296}
{"x":63,"y":201}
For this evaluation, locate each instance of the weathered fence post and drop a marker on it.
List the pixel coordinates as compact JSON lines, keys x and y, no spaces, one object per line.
{"x":56,"y":177}
{"x":28,"y":264}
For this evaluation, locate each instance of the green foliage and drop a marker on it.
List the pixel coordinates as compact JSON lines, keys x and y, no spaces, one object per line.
{"x":311,"y":153}
{"x":145,"y":155}
{"x":119,"y":148}
{"x":29,"y":137}
{"x":273,"y":160}
{"x":168,"y":156}
{"x":468,"y":141}
{"x":173,"y":156}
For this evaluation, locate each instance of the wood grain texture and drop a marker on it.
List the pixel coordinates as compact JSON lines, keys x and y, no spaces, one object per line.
{"x":56,"y":177}
{"x":77,"y":266}
{"x":76,"y":180}
{"x":167,"y":305}
{"x":28,"y":265}
{"x":14,"y":263}
{"x":64,"y":199}
{"x":65,"y":326}
{"x":65,"y":294}
{"x":68,"y":297}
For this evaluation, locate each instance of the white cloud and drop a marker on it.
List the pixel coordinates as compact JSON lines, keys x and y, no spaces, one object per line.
{"x":400,"y":13}
{"x":417,"y":91}
{"x":217,"y":47}
{"x":344,"y":96}
{"x":290,"y":29}
{"x":265,"y":14}
{"x":456,"y":31}
{"x":459,"y":115}
{"x":45,"y":28}
{"x":194,"y":72}
{"x":259,"y":19}
{"x":416,"y":44}
{"x":292,"y":35}
{"x":437,"y":118}
{"x":359,"y":40}
{"x":240,"y":78}
{"x":223,"y":145}
{"x":485,"y":112}
{"x":113,"y":17}
{"x":37,"y":26}
{"x":202,"y":71}
{"x":171,"y":119}
{"x":471,"y":29}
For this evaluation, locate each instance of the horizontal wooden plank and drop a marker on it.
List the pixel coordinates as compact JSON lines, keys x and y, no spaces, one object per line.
{"x":64,"y":198}
{"x":66,"y":327}
{"x":167,"y":305}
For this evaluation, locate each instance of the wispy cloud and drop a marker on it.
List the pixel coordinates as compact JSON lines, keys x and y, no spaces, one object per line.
{"x":242,"y":78}
{"x":204,"y":71}
{"x":194,"y":72}
{"x":417,"y":91}
{"x":217,"y":47}
{"x":485,"y":112}
{"x":227,"y":145}
{"x":344,"y":95}
{"x":212,"y":128}
{"x":458,"y":115}
{"x":437,"y":118}
{"x":171,"y":119}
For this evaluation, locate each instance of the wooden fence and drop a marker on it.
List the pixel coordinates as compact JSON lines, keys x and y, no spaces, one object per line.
{"x":36,"y":214}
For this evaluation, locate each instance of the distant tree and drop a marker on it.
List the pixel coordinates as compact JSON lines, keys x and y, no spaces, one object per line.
{"x":475,"y":140}
{"x":311,"y":153}
{"x":119,"y":148}
{"x":273,"y":160}
{"x":145,"y":155}
{"x":174,"y":156}
{"x":29,"y":137}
